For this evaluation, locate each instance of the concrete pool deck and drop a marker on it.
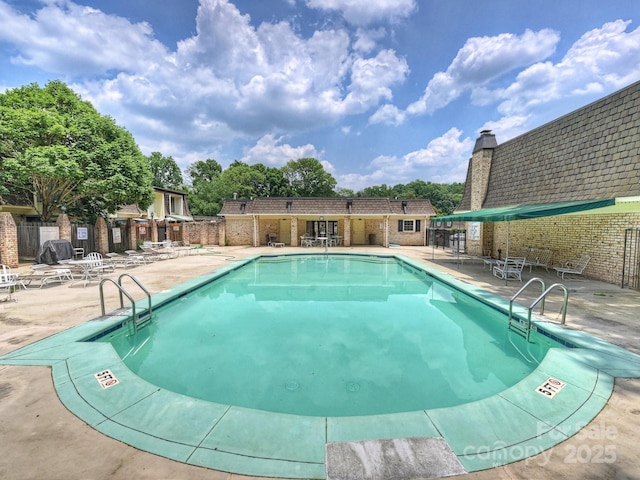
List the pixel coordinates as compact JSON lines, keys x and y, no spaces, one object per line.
{"x":41,"y":438}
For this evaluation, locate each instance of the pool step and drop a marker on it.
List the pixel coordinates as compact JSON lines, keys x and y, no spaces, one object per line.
{"x":515,"y":325}
{"x":143,"y":321}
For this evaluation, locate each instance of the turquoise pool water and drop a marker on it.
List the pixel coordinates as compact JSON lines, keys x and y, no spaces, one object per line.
{"x":330,"y":336}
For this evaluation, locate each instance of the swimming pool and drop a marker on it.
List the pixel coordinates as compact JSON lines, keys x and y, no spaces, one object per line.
{"x":95,"y":384}
{"x":331,"y":336}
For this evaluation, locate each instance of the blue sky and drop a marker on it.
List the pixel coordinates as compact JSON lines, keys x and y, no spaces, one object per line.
{"x":380,"y":91}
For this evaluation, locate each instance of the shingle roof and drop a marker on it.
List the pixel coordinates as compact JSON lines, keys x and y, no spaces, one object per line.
{"x":591,"y":153}
{"x":326,"y":206}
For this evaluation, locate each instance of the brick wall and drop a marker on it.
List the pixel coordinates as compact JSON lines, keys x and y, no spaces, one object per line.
{"x":568,"y":237}
{"x":201,"y":233}
{"x":8,"y":240}
{"x":239,"y":232}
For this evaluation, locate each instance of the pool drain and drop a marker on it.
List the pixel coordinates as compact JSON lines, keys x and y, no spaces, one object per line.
{"x":353,"y":387}
{"x":292,"y":385}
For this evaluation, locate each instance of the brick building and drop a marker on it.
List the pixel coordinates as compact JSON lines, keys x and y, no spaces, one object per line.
{"x":571,"y":185}
{"x":356,"y":221}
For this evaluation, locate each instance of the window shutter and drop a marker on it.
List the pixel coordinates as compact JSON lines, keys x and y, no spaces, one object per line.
{"x":400,"y":224}
{"x":417,"y":225}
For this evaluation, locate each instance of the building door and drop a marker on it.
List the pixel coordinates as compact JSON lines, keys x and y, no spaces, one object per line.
{"x":357,"y":232}
{"x":285,"y":232}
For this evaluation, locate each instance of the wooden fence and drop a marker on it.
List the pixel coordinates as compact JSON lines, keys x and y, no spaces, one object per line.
{"x":32,"y":234}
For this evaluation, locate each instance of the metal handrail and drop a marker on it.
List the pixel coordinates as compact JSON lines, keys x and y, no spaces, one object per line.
{"x":545,"y":293}
{"x":122,"y":290}
{"x":139,"y":285}
{"x":524,"y":287}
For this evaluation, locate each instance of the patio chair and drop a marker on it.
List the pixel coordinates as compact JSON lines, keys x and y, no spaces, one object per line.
{"x":573,"y":267}
{"x":539,"y":258}
{"x":509,"y":268}
{"x":96,"y":266}
{"x":8,"y":282}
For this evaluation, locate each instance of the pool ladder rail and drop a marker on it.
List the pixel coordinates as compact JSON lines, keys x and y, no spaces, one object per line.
{"x":522,"y":327}
{"x":136,"y":321}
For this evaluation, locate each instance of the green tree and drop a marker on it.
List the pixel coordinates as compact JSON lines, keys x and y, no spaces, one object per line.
{"x":444,"y":197}
{"x":375,"y":191}
{"x":56,"y":149}
{"x":275,"y":184}
{"x":308,"y":178}
{"x":201,"y":195}
{"x":165,"y":171}
{"x":345,"y":192}
{"x":239,"y":180}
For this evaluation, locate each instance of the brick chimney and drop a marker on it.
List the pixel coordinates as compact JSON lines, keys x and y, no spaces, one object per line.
{"x":481,"y":166}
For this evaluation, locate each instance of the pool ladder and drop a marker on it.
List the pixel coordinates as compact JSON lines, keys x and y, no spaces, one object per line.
{"x":135,"y":321}
{"x":522,"y":327}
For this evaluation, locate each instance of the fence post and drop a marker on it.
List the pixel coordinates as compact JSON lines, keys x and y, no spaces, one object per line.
{"x":8,"y":240}
{"x":102,"y":236}
{"x":132,"y":233}
{"x":153,"y":225}
{"x":64,"y":226}
{"x":222,"y":233}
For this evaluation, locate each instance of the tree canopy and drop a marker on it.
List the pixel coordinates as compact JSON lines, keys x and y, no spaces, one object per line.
{"x":305,"y":177}
{"x":308,"y":178}
{"x":57,"y":150}
{"x":165,"y":171}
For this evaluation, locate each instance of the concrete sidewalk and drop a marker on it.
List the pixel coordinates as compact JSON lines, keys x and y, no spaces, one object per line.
{"x":39,"y":438}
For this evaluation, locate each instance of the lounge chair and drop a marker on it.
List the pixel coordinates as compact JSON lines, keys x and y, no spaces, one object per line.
{"x":573,"y":267}
{"x":509,"y":268}
{"x":539,"y":258}
{"x":124,"y":261}
{"x":137,"y":258}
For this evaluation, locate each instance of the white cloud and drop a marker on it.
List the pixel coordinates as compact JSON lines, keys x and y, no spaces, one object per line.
{"x":372,"y":78}
{"x":65,"y":38}
{"x":367,"y":40}
{"x":231,"y":80}
{"x":603,"y":57}
{"x":443,"y":160}
{"x":269,"y":150}
{"x":364,"y":12}
{"x":480,"y":60}
{"x":388,"y":115}
{"x":507,"y":127}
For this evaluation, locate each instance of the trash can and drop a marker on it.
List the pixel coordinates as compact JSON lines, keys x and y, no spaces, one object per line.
{"x":372,"y":239}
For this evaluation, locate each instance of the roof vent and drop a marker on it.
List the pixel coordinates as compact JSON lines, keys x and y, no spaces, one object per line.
{"x":243,"y":207}
{"x":289,"y":203}
{"x":350,"y":205}
{"x":404,"y":207}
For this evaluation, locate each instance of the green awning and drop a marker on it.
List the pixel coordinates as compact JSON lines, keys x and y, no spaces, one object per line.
{"x":526,"y":212}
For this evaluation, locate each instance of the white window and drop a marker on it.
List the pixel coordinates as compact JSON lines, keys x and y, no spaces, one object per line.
{"x":408,"y":226}
{"x":175,"y":205}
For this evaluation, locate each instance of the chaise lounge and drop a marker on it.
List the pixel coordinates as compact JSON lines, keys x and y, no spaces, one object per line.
{"x":573,"y":267}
